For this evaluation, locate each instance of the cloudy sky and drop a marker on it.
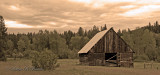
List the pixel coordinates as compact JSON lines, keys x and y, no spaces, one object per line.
{"x":32,"y":15}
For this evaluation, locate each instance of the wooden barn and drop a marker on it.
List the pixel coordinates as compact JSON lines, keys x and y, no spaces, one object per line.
{"x":106,"y":48}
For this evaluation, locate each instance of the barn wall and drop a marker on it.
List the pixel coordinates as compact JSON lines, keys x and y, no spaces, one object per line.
{"x":96,"y":59}
{"x":114,"y":43}
{"x":125,"y":59}
{"x":83,"y":59}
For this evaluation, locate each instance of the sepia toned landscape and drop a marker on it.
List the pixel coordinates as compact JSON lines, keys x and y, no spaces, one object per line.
{"x":79,"y":37}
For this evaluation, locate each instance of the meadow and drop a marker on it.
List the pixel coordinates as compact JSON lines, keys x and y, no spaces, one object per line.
{"x":72,"y":67}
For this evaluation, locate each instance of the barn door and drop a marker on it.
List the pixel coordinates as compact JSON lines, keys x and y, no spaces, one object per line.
{"x":125,"y":59}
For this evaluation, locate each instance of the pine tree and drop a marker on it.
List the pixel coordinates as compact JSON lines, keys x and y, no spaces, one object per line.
{"x":80,"y":31}
{"x":3,"y":34}
{"x":156,"y":23}
{"x":119,"y":32}
{"x":104,"y":28}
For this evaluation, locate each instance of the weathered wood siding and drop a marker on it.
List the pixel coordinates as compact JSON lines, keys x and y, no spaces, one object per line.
{"x":126,"y":59}
{"x":115,"y":43}
{"x":96,"y":59}
{"x":109,"y":43}
{"x":83,"y":58}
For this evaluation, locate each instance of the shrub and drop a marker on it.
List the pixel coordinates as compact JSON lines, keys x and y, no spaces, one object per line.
{"x":158,"y":59}
{"x":15,"y":54}
{"x":135,"y":57}
{"x":46,"y":60}
{"x":142,"y":57}
{"x":73,"y":54}
{"x":29,"y":54}
{"x":152,"y":55}
{"x":2,"y":56}
{"x":20,"y":55}
{"x":63,"y":53}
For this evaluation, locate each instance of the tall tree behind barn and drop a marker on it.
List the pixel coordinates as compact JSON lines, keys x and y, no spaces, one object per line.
{"x":106,"y":48}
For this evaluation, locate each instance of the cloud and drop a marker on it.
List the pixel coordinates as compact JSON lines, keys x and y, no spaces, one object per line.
{"x":71,"y":14}
{"x":127,"y":7}
{"x":14,"y":24}
{"x":100,"y":3}
{"x":52,"y":23}
{"x":12,"y":7}
{"x":142,"y":10}
{"x":64,"y":26}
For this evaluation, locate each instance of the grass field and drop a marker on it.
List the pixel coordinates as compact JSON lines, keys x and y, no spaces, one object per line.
{"x":71,"y":67}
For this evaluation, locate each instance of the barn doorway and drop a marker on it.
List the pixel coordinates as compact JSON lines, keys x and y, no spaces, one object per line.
{"x":111,"y":59}
{"x":110,"y":56}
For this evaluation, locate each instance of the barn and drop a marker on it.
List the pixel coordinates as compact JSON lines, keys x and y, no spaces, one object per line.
{"x":106,"y":48}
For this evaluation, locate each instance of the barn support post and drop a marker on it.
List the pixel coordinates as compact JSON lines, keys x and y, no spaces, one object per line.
{"x":105,"y":44}
{"x":118,"y":59}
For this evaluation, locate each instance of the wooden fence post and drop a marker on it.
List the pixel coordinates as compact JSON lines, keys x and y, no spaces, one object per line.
{"x":144,"y":65}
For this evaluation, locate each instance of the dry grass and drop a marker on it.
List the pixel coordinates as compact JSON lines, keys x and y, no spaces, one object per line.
{"x":70,"y":67}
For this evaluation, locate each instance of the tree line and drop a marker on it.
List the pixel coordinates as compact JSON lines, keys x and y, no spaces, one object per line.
{"x":64,"y":45}
{"x":145,"y":41}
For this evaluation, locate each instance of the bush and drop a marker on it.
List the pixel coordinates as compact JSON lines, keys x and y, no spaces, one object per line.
{"x":73,"y":54}
{"x":46,"y":60}
{"x":152,"y":55}
{"x":2,"y":56}
{"x":63,"y":53}
{"x":135,"y":57}
{"x":142,"y":57}
{"x":20,"y":55}
{"x":29,"y":54}
{"x":158,"y":59}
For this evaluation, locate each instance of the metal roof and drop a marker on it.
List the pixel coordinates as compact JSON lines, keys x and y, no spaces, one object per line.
{"x":92,"y":42}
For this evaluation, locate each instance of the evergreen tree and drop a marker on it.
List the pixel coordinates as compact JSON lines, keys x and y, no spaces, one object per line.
{"x":156,"y":23}
{"x":104,"y":28}
{"x":149,"y":24}
{"x":80,"y":31}
{"x":3,"y":34}
{"x":119,"y":32}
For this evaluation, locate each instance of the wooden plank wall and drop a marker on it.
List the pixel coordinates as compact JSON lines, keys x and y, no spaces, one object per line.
{"x":126,"y":59}
{"x":114,"y":43}
{"x":97,"y":59}
{"x":83,"y":58}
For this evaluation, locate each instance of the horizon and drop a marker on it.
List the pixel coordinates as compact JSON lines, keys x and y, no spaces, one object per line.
{"x":31,"y":16}
{"x":34,"y":30}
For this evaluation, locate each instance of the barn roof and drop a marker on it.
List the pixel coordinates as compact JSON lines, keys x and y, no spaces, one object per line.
{"x":92,"y":42}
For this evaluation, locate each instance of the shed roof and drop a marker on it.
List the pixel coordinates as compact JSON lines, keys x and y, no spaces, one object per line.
{"x":92,"y":42}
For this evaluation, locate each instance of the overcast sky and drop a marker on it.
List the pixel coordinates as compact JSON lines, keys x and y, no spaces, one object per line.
{"x":32,"y":15}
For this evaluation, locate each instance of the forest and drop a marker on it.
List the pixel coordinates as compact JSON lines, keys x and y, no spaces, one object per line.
{"x":145,"y":41}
